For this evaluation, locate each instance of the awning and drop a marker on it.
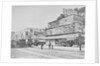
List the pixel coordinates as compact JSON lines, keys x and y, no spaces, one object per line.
{"x":69,"y":37}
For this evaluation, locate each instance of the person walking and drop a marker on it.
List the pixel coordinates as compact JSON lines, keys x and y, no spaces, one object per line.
{"x":49,"y":45}
{"x":41,"y":46}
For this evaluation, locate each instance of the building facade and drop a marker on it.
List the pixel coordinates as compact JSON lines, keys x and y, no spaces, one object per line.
{"x":72,"y":22}
{"x":30,"y":33}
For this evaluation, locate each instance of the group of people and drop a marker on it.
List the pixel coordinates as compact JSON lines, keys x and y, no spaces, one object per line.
{"x":50,"y":46}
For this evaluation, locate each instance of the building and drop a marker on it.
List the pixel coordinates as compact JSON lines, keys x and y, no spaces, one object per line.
{"x":67,"y":26}
{"x":30,"y":33}
{"x":13,"y":36}
{"x":70,"y":24}
{"x":68,"y":12}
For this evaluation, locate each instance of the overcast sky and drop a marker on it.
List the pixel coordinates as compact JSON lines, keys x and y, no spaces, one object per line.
{"x":35,"y":16}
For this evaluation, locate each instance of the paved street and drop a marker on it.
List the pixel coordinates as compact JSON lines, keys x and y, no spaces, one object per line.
{"x":57,"y":52}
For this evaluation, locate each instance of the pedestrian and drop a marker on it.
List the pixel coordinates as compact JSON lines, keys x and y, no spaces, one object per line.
{"x":41,"y":46}
{"x":49,"y":45}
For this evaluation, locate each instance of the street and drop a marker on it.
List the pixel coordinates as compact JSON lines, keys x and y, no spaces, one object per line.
{"x":46,"y":53}
{"x":58,"y":33}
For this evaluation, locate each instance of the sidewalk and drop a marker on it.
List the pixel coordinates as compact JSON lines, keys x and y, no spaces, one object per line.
{"x":63,"y":48}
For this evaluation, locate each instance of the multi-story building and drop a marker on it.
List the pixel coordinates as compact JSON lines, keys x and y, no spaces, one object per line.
{"x":69,"y":24}
{"x":68,"y":12}
{"x":31,"y":33}
{"x":13,"y":36}
{"x":72,"y":23}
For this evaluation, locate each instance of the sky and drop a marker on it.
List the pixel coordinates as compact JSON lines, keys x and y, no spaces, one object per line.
{"x":36,"y":16}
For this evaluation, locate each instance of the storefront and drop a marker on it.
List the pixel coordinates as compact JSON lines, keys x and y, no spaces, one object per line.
{"x":54,"y":40}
